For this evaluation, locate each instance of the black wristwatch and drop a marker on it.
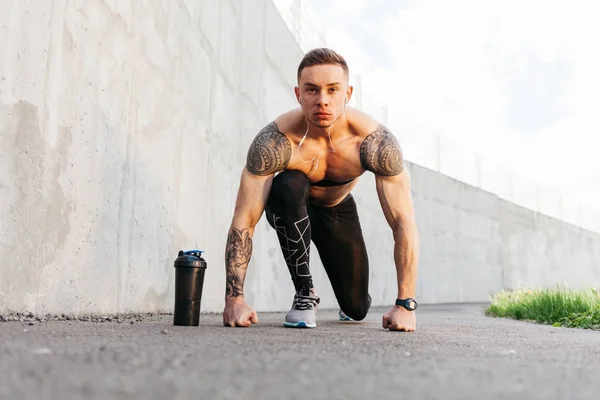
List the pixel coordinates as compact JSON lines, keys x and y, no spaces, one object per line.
{"x":410,"y":304}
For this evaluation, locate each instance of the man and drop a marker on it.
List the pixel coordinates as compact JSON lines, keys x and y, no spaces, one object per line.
{"x":300,"y":170}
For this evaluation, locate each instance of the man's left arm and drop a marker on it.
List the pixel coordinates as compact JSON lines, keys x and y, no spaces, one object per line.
{"x":381,"y":154}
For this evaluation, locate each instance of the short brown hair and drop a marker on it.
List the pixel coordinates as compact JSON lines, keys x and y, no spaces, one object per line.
{"x":322,"y":56}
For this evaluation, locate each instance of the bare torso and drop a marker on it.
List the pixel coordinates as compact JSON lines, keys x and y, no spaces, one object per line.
{"x":322,"y":159}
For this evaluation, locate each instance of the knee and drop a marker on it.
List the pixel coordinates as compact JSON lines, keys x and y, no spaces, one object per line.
{"x":290,"y":187}
{"x":357,"y":310}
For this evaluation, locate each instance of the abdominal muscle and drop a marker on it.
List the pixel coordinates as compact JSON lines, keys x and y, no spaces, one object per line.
{"x":330,"y":196}
{"x":318,"y":164}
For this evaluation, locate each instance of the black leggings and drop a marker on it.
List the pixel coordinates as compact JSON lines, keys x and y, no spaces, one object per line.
{"x":336,"y":233}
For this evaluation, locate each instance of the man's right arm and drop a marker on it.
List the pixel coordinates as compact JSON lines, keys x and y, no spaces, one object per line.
{"x":270,"y":152}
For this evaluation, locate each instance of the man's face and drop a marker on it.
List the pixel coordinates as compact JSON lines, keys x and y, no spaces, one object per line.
{"x":322,"y":93}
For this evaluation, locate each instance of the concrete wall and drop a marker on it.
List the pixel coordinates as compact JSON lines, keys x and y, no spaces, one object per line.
{"x":539,"y":251}
{"x":474,"y":244}
{"x":123,"y":130}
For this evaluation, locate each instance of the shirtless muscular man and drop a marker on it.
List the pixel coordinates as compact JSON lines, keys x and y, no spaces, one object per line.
{"x":300,"y":170}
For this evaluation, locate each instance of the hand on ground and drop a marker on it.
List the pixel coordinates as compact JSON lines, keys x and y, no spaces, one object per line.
{"x":238,"y":314}
{"x":399,"y":319}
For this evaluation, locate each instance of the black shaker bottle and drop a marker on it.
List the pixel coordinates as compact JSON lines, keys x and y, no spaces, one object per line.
{"x":189,"y":280}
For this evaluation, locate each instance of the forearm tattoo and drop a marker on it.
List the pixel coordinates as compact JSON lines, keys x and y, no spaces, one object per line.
{"x":381,"y":153}
{"x":238,"y":252}
{"x":269,"y":152}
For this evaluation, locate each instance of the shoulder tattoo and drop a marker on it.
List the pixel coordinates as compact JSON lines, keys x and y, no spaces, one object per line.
{"x":269,"y":152}
{"x":381,"y":153}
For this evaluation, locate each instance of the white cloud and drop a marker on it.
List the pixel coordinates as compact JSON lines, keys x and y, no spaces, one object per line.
{"x":516,"y":80}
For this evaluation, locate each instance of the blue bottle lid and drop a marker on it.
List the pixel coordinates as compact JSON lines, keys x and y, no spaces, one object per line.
{"x":196,"y":253}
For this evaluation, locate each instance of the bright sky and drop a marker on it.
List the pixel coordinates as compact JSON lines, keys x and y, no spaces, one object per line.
{"x":518,"y":80}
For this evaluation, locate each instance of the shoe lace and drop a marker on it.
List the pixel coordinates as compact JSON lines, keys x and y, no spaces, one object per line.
{"x":302,"y":302}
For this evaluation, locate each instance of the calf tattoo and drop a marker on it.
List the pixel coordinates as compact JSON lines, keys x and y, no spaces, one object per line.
{"x":269,"y":152}
{"x":238,"y":252}
{"x":381,"y":153}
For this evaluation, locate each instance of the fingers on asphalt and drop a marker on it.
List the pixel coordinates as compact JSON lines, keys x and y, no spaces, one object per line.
{"x":241,"y":323}
{"x":402,"y":328}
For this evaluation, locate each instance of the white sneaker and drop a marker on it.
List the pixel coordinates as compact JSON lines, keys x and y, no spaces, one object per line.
{"x":304,"y":309}
{"x":344,"y":317}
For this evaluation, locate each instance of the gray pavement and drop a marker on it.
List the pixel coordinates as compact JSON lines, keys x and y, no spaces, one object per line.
{"x":456,"y":353}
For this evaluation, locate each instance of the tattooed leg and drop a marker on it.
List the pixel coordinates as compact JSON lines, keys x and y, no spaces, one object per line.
{"x":238,"y":253}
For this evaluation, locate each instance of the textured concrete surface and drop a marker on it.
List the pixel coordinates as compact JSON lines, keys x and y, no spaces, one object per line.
{"x":123,"y":130}
{"x":456,"y":353}
{"x":539,"y":251}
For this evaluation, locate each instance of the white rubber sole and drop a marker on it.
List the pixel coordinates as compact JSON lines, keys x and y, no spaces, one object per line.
{"x":299,"y":324}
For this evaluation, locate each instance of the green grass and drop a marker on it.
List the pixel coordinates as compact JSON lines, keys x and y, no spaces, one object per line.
{"x":558,"y":307}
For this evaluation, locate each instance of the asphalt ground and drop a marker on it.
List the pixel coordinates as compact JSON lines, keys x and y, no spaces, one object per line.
{"x":455,"y":353}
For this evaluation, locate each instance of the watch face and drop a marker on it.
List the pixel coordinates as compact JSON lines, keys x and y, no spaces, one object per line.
{"x":409,"y":304}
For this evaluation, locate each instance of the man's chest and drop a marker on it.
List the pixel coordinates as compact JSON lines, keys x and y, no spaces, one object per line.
{"x":334,"y":160}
